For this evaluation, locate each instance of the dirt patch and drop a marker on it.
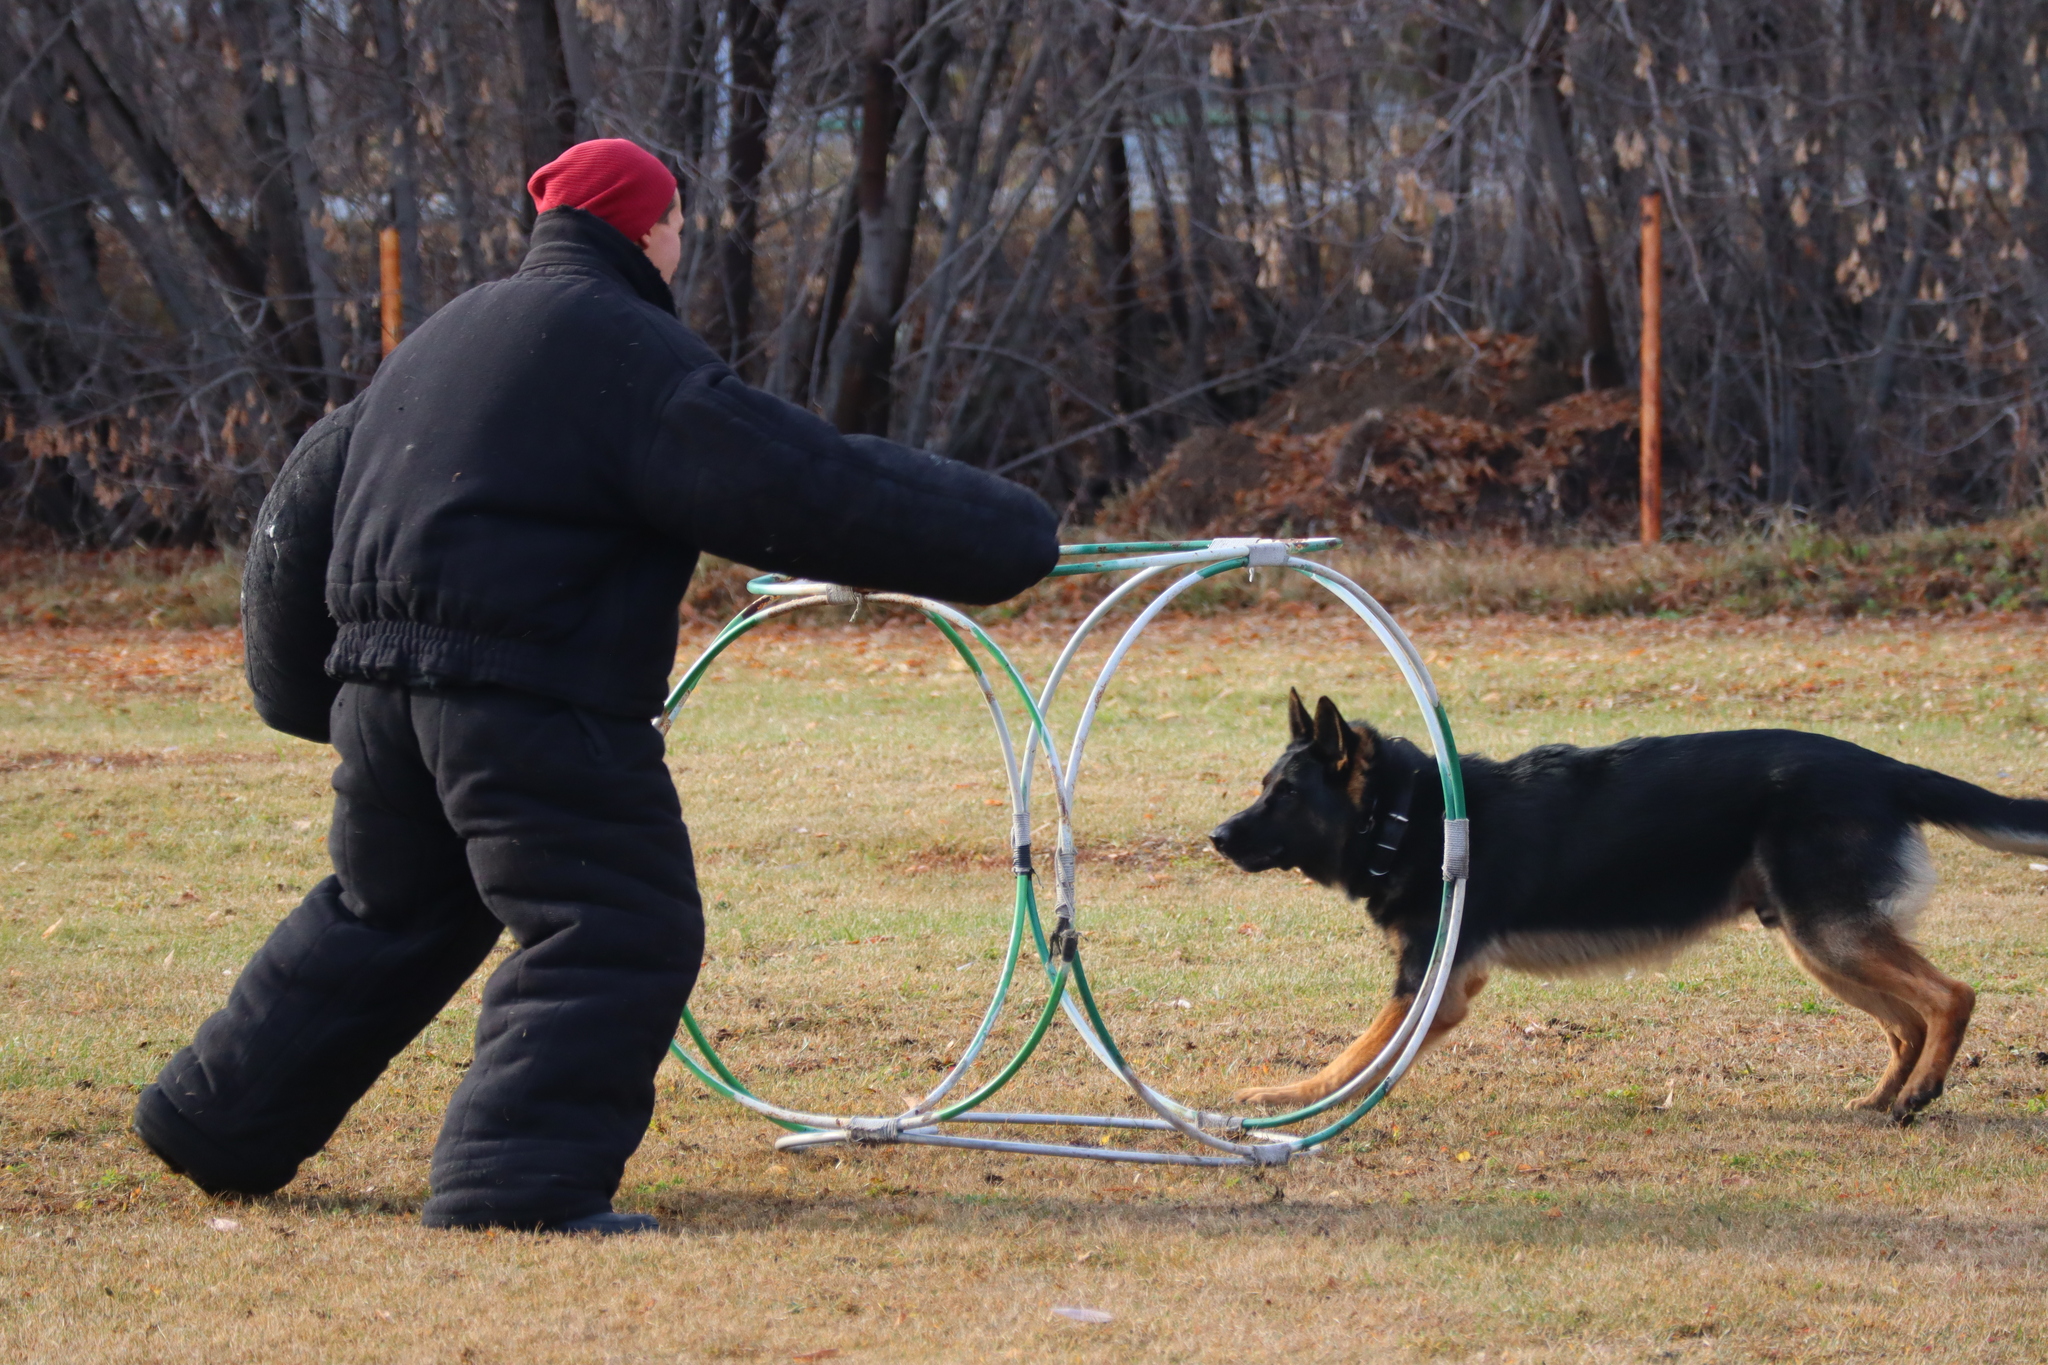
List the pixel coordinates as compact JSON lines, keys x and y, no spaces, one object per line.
{"x":99,"y":762}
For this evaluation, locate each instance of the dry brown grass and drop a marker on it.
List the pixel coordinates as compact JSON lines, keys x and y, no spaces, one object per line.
{"x":1521,"y":1197}
{"x":167,"y":588}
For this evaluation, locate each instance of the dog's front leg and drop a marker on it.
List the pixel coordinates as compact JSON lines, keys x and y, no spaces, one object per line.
{"x":1348,"y":1063}
{"x":1457,"y":1002}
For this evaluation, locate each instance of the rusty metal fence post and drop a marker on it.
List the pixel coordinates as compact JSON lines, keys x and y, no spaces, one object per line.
{"x":390,"y":301}
{"x":1653,"y":370}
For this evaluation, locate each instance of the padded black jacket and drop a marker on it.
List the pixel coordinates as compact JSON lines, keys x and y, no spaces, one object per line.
{"x":525,"y":487}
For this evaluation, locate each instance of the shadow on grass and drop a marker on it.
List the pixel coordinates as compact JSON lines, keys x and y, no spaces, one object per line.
{"x":1756,"y":1228}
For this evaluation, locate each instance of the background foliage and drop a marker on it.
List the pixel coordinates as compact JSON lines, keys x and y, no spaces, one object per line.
{"x":1049,"y":238}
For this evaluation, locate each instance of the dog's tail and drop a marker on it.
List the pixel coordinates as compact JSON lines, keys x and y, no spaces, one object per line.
{"x":2007,"y":823}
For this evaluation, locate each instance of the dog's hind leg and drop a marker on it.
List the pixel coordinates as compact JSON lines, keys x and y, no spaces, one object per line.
{"x":1903,"y":1028}
{"x":1925,"y":1012}
{"x":1892,"y":965}
{"x":1465,"y":983}
{"x":1846,"y":900}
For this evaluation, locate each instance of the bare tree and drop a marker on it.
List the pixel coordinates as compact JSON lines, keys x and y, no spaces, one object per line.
{"x":1049,"y":238}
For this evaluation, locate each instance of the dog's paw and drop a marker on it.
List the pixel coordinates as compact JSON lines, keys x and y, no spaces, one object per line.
{"x":1274,"y":1096}
{"x":1908,"y":1106}
{"x":1876,"y":1102}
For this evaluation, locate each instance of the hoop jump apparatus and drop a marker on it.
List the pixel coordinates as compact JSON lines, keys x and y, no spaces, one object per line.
{"x":1228,"y":1140}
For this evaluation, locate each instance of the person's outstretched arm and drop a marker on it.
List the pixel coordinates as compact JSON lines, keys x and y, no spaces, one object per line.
{"x":755,"y":479}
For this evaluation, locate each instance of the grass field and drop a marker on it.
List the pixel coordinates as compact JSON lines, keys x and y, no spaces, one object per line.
{"x":1654,"y":1168}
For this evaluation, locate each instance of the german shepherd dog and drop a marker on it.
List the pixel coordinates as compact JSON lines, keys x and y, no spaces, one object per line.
{"x":1586,"y":860}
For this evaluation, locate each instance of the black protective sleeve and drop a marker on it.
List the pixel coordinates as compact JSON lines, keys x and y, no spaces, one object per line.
{"x":747,"y":476}
{"x":286,"y":631}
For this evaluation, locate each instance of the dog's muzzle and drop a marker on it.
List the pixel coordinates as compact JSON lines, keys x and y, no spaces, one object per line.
{"x":1229,"y":840}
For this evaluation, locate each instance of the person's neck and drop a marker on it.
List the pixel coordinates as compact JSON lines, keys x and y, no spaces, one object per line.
{"x":576,"y":229}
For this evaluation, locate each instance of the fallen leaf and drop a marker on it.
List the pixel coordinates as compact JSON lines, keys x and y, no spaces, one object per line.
{"x":59,"y":924}
{"x":1464,"y":1156}
{"x":223,"y":1224}
{"x":1084,"y":1315}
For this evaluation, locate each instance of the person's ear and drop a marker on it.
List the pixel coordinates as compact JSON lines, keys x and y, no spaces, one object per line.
{"x":674,"y":215}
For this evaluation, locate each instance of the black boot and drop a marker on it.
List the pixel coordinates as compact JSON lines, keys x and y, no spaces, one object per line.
{"x":214,"y":1167}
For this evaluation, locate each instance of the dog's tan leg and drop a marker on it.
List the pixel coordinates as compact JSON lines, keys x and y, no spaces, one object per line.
{"x":1457,"y":1002}
{"x":1898,"y":969}
{"x":1903,"y":1027}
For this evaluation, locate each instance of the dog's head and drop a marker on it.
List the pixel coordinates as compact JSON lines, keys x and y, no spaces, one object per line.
{"x":1312,"y":801}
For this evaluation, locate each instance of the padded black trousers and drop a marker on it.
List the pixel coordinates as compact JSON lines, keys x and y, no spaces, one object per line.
{"x":458,"y":814}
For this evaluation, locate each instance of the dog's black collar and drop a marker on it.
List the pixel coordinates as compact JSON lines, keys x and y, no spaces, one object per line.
{"x":1392,"y":828}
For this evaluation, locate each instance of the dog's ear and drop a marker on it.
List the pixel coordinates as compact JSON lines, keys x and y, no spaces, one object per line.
{"x":1349,"y":748}
{"x":1300,"y":729}
{"x":1331,"y":733}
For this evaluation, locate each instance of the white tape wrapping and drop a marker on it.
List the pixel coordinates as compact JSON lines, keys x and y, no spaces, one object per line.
{"x":1267,"y":554}
{"x":1457,"y":850}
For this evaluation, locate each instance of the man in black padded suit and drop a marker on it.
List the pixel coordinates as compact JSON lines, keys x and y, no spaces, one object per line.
{"x":501,"y":528}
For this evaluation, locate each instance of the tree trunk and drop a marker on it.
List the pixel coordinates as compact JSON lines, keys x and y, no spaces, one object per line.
{"x":49,"y":194}
{"x":864,"y":350}
{"x":1241,"y":111}
{"x":1547,"y":132}
{"x":913,"y":164}
{"x":231,"y":263}
{"x":838,"y":288}
{"x":968,"y":196}
{"x":1024,"y":305}
{"x":198,"y":324}
{"x":547,"y":108}
{"x":276,"y":237}
{"x":576,"y":69}
{"x":1307,"y":256}
{"x":1205,"y":237}
{"x":755,"y":31}
{"x":1164,"y":227}
{"x":15,"y":349}
{"x":1118,"y":268}
{"x":1455,"y":60}
{"x":688,"y":107}
{"x":1214,"y":248}
{"x":305,"y":184}
{"x":469,"y":268}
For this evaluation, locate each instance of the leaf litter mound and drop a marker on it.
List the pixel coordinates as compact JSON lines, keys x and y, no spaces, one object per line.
{"x":1471,"y":433}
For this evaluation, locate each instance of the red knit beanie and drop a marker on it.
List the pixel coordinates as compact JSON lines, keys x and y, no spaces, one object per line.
{"x":610,"y":177}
